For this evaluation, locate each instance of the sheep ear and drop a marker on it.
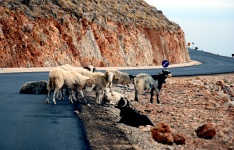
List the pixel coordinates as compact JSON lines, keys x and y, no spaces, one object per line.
{"x":94,"y":69}
{"x":87,"y":68}
{"x":132,"y":76}
{"x":116,"y":79}
{"x":89,"y":82}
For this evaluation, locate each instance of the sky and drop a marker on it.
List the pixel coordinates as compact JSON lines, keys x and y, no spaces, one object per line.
{"x":209,"y":24}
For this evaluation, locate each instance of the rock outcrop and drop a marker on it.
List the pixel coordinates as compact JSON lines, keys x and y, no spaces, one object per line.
{"x":44,"y":33}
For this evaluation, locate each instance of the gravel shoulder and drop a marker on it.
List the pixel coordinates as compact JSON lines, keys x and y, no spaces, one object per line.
{"x":186,"y":104}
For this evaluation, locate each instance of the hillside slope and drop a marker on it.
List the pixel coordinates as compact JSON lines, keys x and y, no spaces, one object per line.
{"x":45,"y":33}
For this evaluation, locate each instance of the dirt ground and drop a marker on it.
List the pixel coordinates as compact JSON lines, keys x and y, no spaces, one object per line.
{"x":186,"y":104}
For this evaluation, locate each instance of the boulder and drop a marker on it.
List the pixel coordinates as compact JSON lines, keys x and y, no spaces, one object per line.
{"x":206,"y":131}
{"x":162,"y":134}
{"x":34,"y":87}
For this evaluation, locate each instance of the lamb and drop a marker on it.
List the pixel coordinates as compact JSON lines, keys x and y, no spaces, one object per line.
{"x":59,"y":78}
{"x":90,"y":68}
{"x":118,"y":77}
{"x":150,"y":83}
{"x":130,"y":116}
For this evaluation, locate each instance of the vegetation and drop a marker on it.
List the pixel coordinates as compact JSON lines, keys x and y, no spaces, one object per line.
{"x":127,"y":12}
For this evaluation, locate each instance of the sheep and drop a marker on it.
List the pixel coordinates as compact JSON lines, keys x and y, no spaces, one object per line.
{"x":112,"y":98}
{"x":100,"y":79}
{"x":68,"y":67}
{"x":130,"y":116}
{"x":150,"y":83}
{"x":118,"y":77}
{"x":59,"y":78}
{"x":90,"y":68}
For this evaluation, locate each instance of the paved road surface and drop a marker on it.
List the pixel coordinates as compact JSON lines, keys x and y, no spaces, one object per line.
{"x":211,"y":64}
{"x":27,"y":123}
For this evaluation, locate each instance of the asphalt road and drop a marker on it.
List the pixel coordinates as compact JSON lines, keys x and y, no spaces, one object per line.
{"x":28,"y":123}
{"x":211,"y":64}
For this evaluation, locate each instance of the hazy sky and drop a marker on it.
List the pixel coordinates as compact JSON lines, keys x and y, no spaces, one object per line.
{"x":209,"y":24}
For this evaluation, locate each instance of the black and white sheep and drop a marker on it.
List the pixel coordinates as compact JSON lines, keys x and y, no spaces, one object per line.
{"x":74,"y":81}
{"x":130,"y":116}
{"x":119,"y":77}
{"x":150,"y":83}
{"x":90,"y":68}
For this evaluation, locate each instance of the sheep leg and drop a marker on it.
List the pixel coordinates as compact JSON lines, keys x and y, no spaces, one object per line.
{"x":98,"y":97}
{"x":70,"y":95}
{"x":136,"y":95}
{"x":158,"y":99}
{"x":74,"y":95}
{"x":151,"y":95}
{"x":157,"y":94}
{"x":55,"y":92}
{"x":82,"y":95}
{"x":60,"y":94}
{"x":47,"y":99}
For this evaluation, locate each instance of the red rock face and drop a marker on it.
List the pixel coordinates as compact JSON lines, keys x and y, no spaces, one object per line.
{"x":46,"y":42}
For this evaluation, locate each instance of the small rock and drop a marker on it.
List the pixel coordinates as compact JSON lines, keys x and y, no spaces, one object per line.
{"x":206,"y":131}
{"x":231,"y":104}
{"x":179,"y":139}
{"x":162,"y":134}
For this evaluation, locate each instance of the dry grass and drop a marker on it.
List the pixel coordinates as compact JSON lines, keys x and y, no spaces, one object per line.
{"x":132,"y":12}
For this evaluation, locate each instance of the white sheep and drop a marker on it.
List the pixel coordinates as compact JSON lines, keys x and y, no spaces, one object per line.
{"x":112,"y":98}
{"x":150,"y":83}
{"x":101,"y":82}
{"x":68,"y":67}
{"x":118,"y":77}
{"x":59,"y":78}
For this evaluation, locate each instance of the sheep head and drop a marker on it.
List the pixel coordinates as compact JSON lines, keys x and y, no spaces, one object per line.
{"x":90,"y":83}
{"x":122,"y":103}
{"x":220,"y":83}
{"x":166,"y":73}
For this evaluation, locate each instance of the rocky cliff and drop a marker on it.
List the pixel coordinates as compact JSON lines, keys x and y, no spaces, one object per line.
{"x":44,"y":33}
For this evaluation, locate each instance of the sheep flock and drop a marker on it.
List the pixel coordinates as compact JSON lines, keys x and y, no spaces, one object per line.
{"x":77,"y":82}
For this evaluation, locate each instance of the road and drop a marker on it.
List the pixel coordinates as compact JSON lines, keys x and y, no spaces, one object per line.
{"x":27,"y":123}
{"x":211,"y":64}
